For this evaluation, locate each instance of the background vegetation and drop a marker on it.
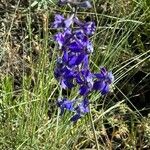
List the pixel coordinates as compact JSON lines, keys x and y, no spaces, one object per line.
{"x":28,"y":91}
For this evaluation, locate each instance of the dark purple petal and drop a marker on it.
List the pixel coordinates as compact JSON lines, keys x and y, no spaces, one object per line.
{"x":66,"y":83}
{"x":74,"y":47}
{"x":65,"y":57}
{"x":89,"y":76}
{"x":68,"y":105}
{"x":65,"y":104}
{"x":85,"y":102}
{"x":79,"y":79}
{"x":57,"y":73}
{"x":83,"y":90}
{"x":75,"y":117}
{"x":99,"y":85}
{"x":99,"y":76}
{"x":69,"y":74}
{"x":86,"y":62}
{"x":72,"y":61}
{"x":105,"y":90}
{"x":83,"y":108}
{"x":80,"y":59}
{"x":79,"y":34}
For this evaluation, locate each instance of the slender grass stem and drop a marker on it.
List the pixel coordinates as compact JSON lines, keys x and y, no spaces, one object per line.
{"x":94,"y":131}
{"x":58,"y":112}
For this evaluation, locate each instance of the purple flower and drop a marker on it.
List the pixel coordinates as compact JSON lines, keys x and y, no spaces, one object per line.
{"x":63,"y":37}
{"x":72,"y":59}
{"x":103,"y":80}
{"x":85,"y":80}
{"x":64,"y":74}
{"x":61,"y":22}
{"x":58,"y":21}
{"x":69,"y":21}
{"x":65,"y":104}
{"x":75,"y":46}
{"x":89,"y":28}
{"x":81,"y":110}
{"x":81,"y":43}
{"x":72,"y":67}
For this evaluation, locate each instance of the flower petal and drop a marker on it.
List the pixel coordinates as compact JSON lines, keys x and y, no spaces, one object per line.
{"x":74,"y":47}
{"x":99,"y":85}
{"x":105,"y":90}
{"x":67,"y":83}
{"x":83,"y":90}
{"x":69,"y":21}
{"x":80,"y":59}
{"x":75,"y":117}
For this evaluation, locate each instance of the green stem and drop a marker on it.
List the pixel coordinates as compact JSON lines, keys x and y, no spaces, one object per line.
{"x":58,"y":113}
{"x":93,"y":128}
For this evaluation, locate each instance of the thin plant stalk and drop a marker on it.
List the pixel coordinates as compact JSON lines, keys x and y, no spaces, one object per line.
{"x":93,"y":128}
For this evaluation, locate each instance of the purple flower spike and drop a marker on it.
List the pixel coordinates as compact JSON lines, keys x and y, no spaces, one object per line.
{"x":72,"y":67}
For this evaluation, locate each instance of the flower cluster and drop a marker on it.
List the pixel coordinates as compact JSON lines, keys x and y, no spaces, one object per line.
{"x":72,"y":67}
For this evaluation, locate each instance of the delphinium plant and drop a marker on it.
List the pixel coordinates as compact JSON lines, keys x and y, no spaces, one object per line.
{"x":72,"y":65}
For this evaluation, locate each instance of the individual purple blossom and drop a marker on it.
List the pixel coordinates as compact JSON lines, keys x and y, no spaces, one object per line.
{"x":61,"y":22}
{"x":63,"y":37}
{"x":85,"y":79}
{"x":88,"y":27}
{"x":82,"y":40}
{"x":76,"y":41}
{"x":64,"y":74}
{"x":65,"y":104}
{"x":81,"y":110}
{"x":58,"y":21}
{"x":70,"y":105}
{"x":103,"y":81}
{"x":69,"y":21}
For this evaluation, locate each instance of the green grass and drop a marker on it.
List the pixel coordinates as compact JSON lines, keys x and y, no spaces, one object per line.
{"x":29,"y":117}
